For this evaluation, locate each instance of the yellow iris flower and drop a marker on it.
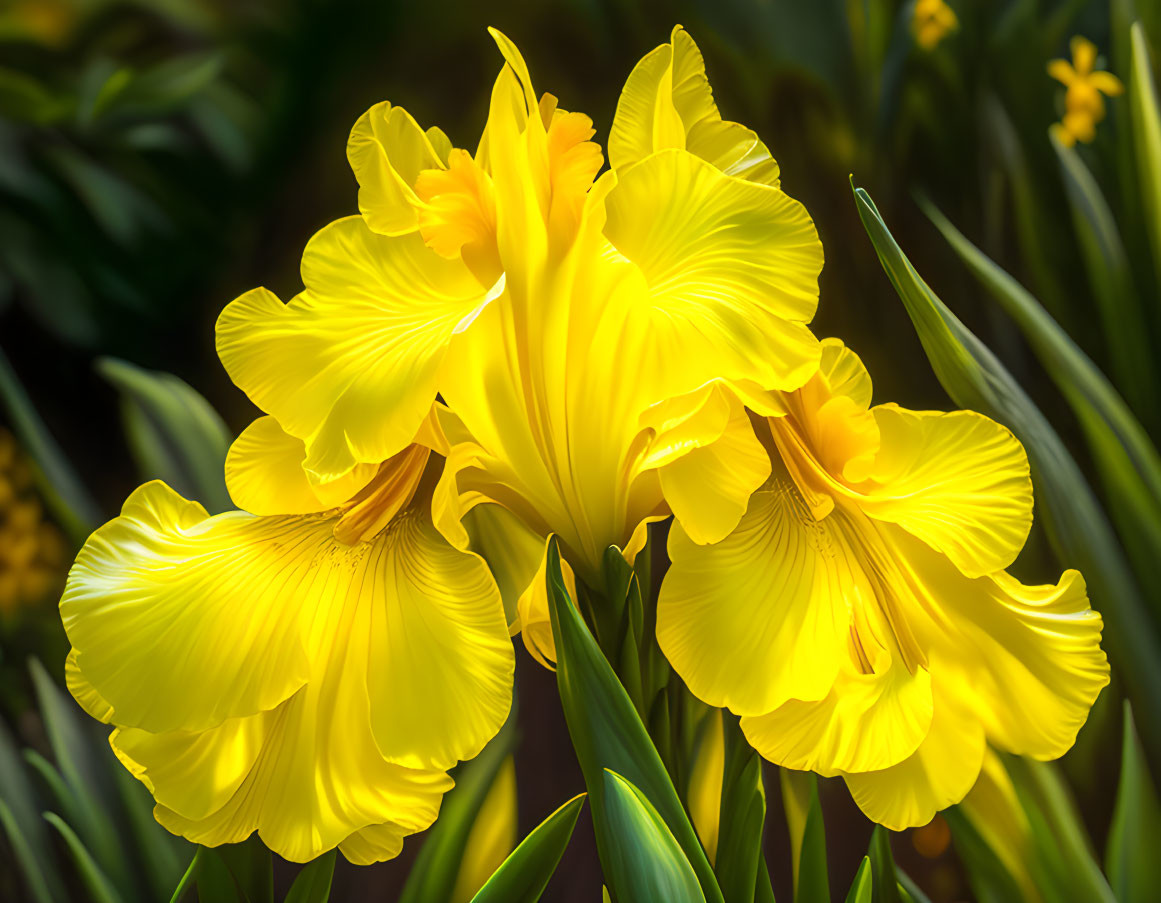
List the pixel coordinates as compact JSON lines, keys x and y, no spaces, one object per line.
{"x":1084,"y":102}
{"x":931,"y":22}
{"x":860,"y":619}
{"x":309,"y":669}
{"x":575,"y":328}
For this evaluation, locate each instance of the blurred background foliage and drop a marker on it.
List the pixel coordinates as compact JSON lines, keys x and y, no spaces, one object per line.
{"x":159,"y":158}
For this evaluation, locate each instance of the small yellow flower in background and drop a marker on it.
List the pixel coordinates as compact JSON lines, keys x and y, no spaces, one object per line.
{"x":32,"y":551}
{"x":493,"y":835}
{"x":1084,"y":102}
{"x":859,"y":618}
{"x":931,"y":22}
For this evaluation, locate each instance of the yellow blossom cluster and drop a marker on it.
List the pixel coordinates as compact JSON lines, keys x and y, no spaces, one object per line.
{"x":932,"y":21}
{"x":32,"y":551}
{"x":1084,"y":102}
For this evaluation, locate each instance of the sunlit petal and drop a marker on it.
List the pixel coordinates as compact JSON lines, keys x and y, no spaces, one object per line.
{"x":350,"y":365}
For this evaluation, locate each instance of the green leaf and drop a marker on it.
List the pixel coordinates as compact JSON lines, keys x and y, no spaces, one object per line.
{"x":433,"y":876}
{"x":313,"y":884}
{"x":990,"y":879}
{"x":862,"y":888}
{"x":607,"y":732}
{"x":885,"y":884}
{"x":1064,"y":854}
{"x":1111,"y":279}
{"x":63,"y":491}
{"x":85,"y":767}
{"x":522,"y":877}
{"x":1131,"y":861}
{"x":24,"y":99}
{"x":1028,"y":205}
{"x":168,"y":85}
{"x":1145,"y":113}
{"x":35,"y":875}
{"x":1077,"y":526}
{"x":188,"y":879}
{"x":174,"y":433}
{"x":214,"y":880}
{"x":807,"y":835}
{"x":22,"y":823}
{"x":252,"y":868}
{"x":1129,"y":464}
{"x":645,"y":862}
{"x":101,"y":889}
{"x":161,"y":857}
{"x":909,"y":890}
{"x":738,"y":860}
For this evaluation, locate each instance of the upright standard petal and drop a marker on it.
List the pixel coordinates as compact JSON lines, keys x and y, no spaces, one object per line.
{"x":351,"y":365}
{"x":667,"y":102}
{"x":387,"y":151}
{"x":731,"y":270}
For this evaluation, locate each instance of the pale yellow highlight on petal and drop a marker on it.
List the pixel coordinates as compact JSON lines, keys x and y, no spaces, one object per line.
{"x":264,"y":474}
{"x":939,"y":773}
{"x":762,"y":616}
{"x":667,"y":103}
{"x":492,"y":837}
{"x":960,"y":482}
{"x":387,"y":151}
{"x":732,"y":274}
{"x":350,"y":366}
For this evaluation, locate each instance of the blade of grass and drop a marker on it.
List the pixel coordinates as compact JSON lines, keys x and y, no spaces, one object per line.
{"x":101,"y":889}
{"x":1145,"y":112}
{"x":1128,"y":462}
{"x":646,"y":861}
{"x":61,"y":488}
{"x":1111,"y":279}
{"x":522,"y":877}
{"x":1131,"y":859}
